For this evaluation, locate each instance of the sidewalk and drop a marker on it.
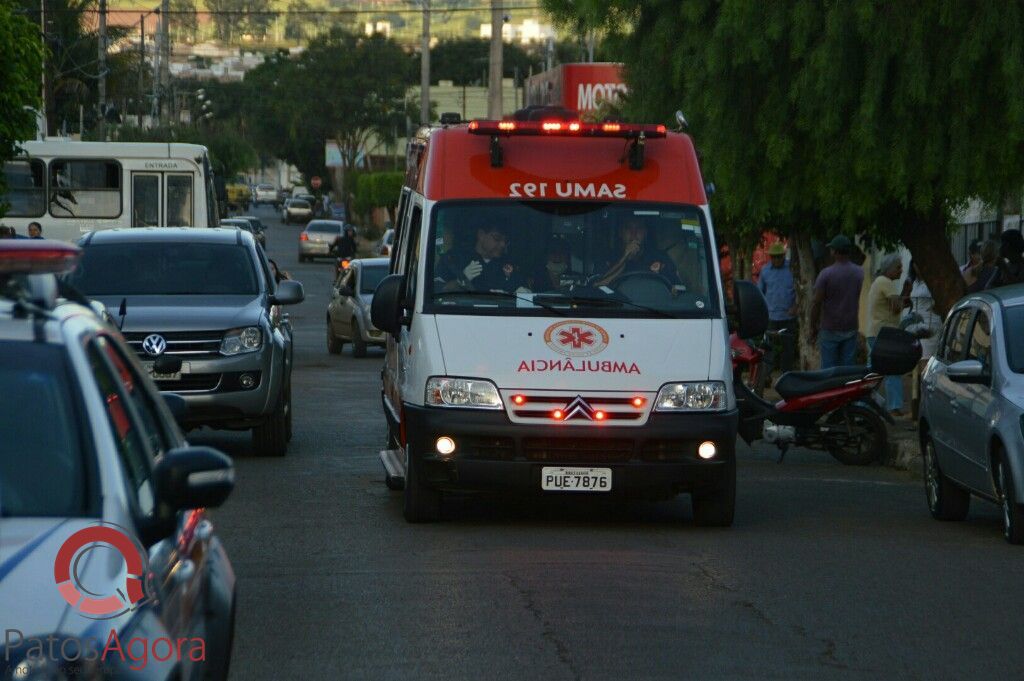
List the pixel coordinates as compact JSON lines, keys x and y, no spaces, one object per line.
{"x":904,"y":447}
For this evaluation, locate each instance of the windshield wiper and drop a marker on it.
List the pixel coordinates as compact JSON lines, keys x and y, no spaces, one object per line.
{"x":610,"y":300}
{"x":498,"y":294}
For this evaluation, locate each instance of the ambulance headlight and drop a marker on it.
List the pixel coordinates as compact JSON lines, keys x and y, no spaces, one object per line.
{"x":699,"y":396}
{"x":469,"y":393}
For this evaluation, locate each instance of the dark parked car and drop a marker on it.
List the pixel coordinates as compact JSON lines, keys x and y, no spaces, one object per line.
{"x":201,"y":309}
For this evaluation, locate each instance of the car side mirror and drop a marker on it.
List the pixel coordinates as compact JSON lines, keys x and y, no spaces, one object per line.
{"x":967,"y":371}
{"x":386,"y":311}
{"x":751,"y":310}
{"x":193,"y":477}
{"x":177,"y":405}
{"x":288,"y":293}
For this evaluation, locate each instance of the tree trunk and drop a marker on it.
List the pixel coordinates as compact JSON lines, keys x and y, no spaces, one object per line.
{"x":928,"y":242}
{"x":804,"y":274}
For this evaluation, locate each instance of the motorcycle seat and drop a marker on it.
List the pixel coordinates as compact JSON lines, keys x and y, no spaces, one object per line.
{"x":799,"y":383}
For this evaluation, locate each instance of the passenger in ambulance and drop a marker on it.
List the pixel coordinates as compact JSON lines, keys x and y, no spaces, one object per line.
{"x":557,"y":268}
{"x":686,"y":252}
{"x":638,"y":255}
{"x":486,"y":267}
{"x":447,"y":258}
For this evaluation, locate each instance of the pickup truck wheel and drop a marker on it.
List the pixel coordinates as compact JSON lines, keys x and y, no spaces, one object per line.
{"x":270,"y":438}
{"x":716,"y":507}
{"x":334,"y":344}
{"x":422,"y":504}
{"x":358,"y":344}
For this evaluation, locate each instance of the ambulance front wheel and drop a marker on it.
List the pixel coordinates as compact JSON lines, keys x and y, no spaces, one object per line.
{"x":716,"y":506}
{"x":422,"y":503}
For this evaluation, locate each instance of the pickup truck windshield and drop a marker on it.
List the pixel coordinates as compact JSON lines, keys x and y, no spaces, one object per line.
{"x":169,"y":268}
{"x":572,"y":258}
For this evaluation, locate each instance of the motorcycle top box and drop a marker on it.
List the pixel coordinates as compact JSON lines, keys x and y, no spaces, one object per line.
{"x":895,"y":352}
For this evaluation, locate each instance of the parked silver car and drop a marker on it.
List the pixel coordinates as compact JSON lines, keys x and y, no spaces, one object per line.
{"x":348,"y":313}
{"x":972,"y":410}
{"x":316,"y":240}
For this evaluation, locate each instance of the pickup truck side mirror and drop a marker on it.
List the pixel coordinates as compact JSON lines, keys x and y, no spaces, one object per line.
{"x":386,"y":310}
{"x":288,"y":293}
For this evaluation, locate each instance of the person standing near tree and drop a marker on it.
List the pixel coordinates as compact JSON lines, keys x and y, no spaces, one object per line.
{"x":835,"y":306}
{"x":776,"y":284}
{"x":884,"y":305}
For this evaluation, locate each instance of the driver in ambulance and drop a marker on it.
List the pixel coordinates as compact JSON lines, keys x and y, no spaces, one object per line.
{"x":486,"y":267}
{"x":638,"y":255}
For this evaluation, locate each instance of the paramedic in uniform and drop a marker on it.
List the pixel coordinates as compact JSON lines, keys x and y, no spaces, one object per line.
{"x":638,"y":256}
{"x":486,"y":268}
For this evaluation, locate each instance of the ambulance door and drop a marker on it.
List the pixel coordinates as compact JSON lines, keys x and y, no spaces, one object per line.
{"x":395,"y":356}
{"x":410,"y":268}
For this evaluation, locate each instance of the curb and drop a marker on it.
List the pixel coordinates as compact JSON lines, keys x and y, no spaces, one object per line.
{"x":904,"y":451}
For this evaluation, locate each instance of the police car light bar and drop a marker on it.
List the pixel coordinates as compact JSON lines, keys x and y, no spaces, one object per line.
{"x":565,"y":129}
{"x":37,"y":256}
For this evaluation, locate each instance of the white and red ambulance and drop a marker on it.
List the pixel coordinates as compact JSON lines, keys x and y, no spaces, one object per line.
{"x":555,"y":320}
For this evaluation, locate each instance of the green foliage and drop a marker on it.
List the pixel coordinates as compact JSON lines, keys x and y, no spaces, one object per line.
{"x":376,"y":190}
{"x":20,"y":68}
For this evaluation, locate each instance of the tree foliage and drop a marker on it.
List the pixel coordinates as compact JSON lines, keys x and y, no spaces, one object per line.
{"x":876,"y":118}
{"x":20,"y":68}
{"x":344,"y":87}
{"x":377,"y":190}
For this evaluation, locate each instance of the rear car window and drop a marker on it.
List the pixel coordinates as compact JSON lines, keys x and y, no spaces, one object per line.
{"x":165,"y":268}
{"x":298,"y":203}
{"x":325,"y":227}
{"x":370,"y":277}
{"x":44,"y":469}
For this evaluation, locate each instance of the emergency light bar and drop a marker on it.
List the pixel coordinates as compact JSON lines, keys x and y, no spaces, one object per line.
{"x":565,"y":129}
{"x":37,"y":256}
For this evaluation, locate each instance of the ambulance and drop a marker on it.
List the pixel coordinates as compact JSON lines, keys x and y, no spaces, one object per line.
{"x":555,"y":320}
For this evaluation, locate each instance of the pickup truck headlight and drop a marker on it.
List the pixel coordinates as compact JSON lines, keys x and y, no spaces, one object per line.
{"x":697,"y":396}
{"x":470,"y":393}
{"x":239,"y":341}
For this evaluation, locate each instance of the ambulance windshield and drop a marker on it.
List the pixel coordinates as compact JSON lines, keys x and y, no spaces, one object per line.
{"x":538,"y":258}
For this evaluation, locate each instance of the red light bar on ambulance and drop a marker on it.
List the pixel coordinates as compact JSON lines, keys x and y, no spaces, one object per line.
{"x":37,"y":256}
{"x":565,"y":129}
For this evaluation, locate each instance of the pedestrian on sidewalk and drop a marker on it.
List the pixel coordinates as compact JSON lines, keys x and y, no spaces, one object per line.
{"x":925,"y":324}
{"x":1011,"y":259}
{"x":835,"y":306}
{"x":973,"y":256}
{"x":776,"y":283}
{"x":982,"y":275}
{"x":884,"y":305}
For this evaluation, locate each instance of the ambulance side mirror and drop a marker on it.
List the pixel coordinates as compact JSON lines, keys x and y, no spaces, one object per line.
{"x":386,"y":311}
{"x":751,"y":310}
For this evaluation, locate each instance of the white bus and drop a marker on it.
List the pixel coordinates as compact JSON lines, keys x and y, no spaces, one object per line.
{"x":72,"y":187}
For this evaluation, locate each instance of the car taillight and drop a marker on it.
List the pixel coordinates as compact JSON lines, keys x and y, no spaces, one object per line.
{"x":303,"y":237}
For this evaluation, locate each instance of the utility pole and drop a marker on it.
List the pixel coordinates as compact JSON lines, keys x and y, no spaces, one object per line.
{"x":42,"y":34}
{"x":494,"y":78}
{"x":165,"y":47}
{"x":425,"y":67}
{"x":103,"y":72}
{"x":142,"y":67}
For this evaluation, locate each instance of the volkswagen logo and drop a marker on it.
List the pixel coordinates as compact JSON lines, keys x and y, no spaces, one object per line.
{"x":154,"y":345}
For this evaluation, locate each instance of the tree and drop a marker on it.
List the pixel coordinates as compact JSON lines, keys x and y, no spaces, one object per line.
{"x":464,"y":60}
{"x":344,"y":87}
{"x":20,"y":68}
{"x":183,"y":22}
{"x":875,"y":118}
{"x":297,"y":21}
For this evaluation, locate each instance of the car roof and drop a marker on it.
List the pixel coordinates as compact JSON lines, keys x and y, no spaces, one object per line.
{"x":1007,"y":296}
{"x":324,"y":222}
{"x":120,"y":235}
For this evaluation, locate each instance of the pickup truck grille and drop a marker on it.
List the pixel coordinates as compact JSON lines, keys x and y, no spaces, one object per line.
{"x":184,"y":344}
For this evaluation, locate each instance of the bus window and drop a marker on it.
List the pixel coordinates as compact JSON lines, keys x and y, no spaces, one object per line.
{"x":145,"y":200}
{"x":179,"y":201}
{"x":85,"y":188}
{"x":26,"y":191}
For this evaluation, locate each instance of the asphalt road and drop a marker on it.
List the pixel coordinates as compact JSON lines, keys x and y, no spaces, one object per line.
{"x":828,"y":572}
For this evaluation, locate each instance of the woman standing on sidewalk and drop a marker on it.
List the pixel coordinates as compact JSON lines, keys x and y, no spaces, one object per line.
{"x":924,"y":323}
{"x":884,"y":304}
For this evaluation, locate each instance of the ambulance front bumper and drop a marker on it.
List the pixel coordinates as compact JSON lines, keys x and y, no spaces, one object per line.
{"x":656,"y":460}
